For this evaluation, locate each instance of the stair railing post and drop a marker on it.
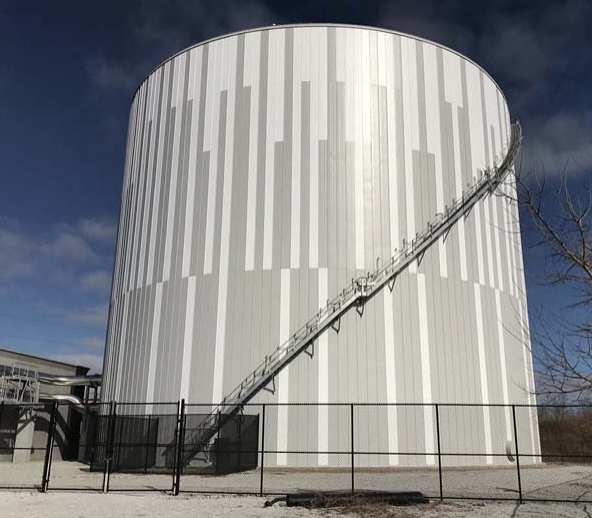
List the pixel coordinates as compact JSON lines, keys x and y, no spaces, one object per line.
{"x":517,"y":453}
{"x":352,"y":448}
{"x":262,"y":450}
{"x":218,"y":444}
{"x":48,"y":447}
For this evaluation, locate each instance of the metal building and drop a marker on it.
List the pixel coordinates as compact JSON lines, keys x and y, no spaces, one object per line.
{"x":265,"y":170}
{"x":27,"y":388}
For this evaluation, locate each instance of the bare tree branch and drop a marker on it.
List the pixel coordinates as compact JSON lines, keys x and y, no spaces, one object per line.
{"x":559,"y":222}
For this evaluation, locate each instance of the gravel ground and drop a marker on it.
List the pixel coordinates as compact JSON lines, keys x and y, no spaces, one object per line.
{"x":555,"y":482}
{"x":92,"y":505}
{"x":154,"y":505}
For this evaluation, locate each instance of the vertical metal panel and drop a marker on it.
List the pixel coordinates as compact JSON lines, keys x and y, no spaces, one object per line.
{"x":251,"y":76}
{"x":408,"y":63}
{"x":284,"y":376}
{"x":391,"y":377}
{"x":211,"y":144}
{"x":193,"y":96}
{"x":265,"y":170}
{"x":158,"y":123}
{"x":274,"y":134}
{"x":323,"y":376}
{"x":434,"y":142}
{"x":483,"y":373}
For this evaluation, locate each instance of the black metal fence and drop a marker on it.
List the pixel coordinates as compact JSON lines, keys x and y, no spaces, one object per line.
{"x":512,"y":452}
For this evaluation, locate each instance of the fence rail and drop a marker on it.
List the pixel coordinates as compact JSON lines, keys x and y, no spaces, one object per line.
{"x":443,"y":450}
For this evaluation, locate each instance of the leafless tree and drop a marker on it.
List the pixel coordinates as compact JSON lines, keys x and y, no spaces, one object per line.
{"x":559,"y":225}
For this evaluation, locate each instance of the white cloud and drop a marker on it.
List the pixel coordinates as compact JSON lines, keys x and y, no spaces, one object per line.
{"x":88,"y":319}
{"x":98,"y":230}
{"x":96,"y":280}
{"x":195,"y":21}
{"x":562,"y":140}
{"x":68,"y":246}
{"x":109,"y":76}
{"x":159,"y":30}
{"x":436,"y":21}
{"x":57,"y":252}
{"x":95,"y":316}
{"x":16,"y":252}
{"x":92,"y":342}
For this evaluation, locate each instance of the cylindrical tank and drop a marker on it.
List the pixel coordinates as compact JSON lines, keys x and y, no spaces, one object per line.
{"x":266,"y":169}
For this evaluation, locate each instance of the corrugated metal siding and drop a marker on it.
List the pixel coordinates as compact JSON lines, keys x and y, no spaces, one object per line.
{"x":267,"y":169}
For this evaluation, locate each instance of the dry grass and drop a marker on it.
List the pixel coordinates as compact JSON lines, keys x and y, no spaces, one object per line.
{"x":359,"y":506}
{"x":374,"y":510}
{"x":431,"y":510}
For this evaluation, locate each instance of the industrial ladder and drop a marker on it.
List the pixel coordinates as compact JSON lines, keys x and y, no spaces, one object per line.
{"x":354,"y":295}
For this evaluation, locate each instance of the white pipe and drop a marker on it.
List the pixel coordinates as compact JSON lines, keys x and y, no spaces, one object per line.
{"x":77,"y":404}
{"x":94,"y":380}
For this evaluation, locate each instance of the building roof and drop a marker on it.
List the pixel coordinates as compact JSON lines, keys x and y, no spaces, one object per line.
{"x":40,"y":358}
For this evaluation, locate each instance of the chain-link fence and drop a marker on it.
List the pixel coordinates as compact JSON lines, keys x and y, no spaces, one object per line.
{"x":511,"y":452}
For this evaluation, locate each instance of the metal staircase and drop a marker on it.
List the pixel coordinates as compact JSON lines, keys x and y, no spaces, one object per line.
{"x":19,"y":383}
{"x":354,"y":295}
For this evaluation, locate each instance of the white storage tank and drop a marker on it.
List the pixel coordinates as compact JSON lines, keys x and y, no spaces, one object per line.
{"x":266,"y":169}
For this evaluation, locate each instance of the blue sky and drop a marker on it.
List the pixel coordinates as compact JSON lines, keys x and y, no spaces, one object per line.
{"x":69,"y":70}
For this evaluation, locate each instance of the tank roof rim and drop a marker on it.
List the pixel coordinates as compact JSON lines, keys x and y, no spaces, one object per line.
{"x":319,"y":24}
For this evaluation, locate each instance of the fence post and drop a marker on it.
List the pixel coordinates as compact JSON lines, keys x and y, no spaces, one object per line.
{"x":176,"y":451}
{"x":439,"y":451}
{"x":48,"y":447}
{"x":352,"y":448}
{"x":109,"y":451}
{"x":517,"y":453}
{"x":262,"y":450}
{"x":180,"y":447}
